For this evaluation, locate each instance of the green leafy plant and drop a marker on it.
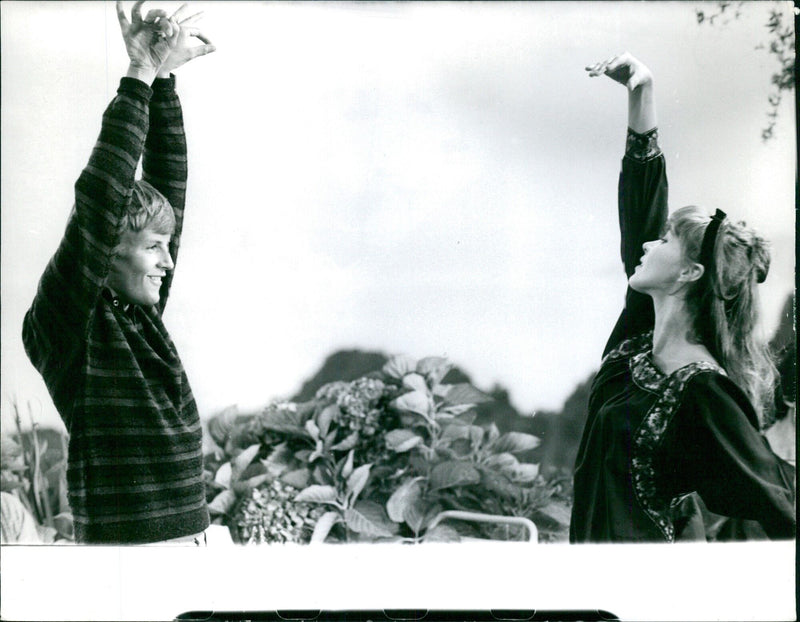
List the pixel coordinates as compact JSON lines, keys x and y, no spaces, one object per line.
{"x":35,"y":473}
{"x":385,"y":457}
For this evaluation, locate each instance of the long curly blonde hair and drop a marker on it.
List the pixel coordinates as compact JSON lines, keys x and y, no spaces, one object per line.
{"x":724,"y":302}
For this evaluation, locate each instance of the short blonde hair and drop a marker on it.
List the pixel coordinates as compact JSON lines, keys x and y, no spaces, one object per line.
{"x":149,"y":209}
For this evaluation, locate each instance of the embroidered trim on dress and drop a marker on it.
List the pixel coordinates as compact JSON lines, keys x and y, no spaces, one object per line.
{"x":645,"y":374}
{"x":634,"y":345}
{"x":642,"y":147}
{"x":648,"y":437}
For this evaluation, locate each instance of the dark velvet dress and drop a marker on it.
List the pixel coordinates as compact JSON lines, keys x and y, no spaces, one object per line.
{"x":653,"y":442}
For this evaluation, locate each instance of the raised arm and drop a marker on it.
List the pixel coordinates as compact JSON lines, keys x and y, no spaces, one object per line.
{"x":56,"y":326}
{"x":164,"y":164}
{"x":642,"y":194}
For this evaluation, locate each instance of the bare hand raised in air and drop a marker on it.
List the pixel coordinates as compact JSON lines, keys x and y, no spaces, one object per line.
{"x":183,"y":52}
{"x":157,"y":44}
{"x":149,"y":40}
{"x":624,"y":69}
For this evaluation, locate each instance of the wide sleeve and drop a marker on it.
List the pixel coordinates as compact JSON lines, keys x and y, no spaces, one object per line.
{"x":164,"y":164}
{"x":716,"y":450}
{"x":57,"y":323}
{"x":642,"y":204}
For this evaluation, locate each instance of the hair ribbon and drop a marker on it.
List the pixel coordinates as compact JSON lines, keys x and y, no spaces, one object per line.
{"x":710,"y":239}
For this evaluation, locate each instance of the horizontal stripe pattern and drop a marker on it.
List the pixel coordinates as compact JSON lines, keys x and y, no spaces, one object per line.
{"x":135,"y":460}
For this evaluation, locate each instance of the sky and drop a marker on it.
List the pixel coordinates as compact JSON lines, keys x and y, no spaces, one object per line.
{"x":431,"y":179}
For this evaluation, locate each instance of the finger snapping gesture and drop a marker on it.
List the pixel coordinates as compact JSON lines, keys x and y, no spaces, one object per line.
{"x":158,"y":44}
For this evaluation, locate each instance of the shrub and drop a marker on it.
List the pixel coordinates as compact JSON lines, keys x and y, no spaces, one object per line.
{"x":376,"y":459}
{"x":34,"y":470}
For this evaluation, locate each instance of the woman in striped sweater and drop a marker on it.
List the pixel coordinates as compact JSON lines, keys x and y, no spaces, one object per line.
{"x":94,"y":330}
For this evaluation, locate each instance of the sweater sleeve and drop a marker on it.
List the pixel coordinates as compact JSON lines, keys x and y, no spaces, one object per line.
{"x":164,"y":164}
{"x":56,"y":326}
{"x":716,"y":450}
{"x":642,"y":200}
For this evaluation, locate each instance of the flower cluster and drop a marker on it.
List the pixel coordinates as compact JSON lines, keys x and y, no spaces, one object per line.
{"x":268,"y":514}
{"x":360,"y":403}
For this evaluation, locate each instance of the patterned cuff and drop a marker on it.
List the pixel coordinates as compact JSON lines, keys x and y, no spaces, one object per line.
{"x":642,"y":147}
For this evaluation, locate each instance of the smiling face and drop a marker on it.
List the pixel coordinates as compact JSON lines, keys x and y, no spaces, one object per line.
{"x":664,"y":267}
{"x":141,"y":262}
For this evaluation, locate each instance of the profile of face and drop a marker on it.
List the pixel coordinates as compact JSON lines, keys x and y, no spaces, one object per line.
{"x":138,"y":268}
{"x":664,"y":267}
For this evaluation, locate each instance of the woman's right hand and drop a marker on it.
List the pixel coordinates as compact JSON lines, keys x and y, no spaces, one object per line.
{"x":148,"y":41}
{"x":625,"y":69}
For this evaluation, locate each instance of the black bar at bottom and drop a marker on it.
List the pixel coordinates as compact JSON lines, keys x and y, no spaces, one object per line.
{"x":400,"y":615}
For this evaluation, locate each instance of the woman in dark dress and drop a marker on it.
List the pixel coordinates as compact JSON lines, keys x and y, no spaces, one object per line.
{"x":675,"y":409}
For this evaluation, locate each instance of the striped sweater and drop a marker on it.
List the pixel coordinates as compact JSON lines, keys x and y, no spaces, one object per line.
{"x":135,"y":459}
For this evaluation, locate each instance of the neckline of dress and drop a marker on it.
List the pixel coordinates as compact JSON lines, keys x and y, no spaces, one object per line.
{"x":649,"y":376}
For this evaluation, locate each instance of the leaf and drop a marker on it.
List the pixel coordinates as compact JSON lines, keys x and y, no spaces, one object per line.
{"x":348,"y":443}
{"x":222,"y":503}
{"x":375,"y":514}
{"x":405,"y":495}
{"x":428,"y":513}
{"x":465,"y":393}
{"x":453,"y":473}
{"x":357,"y":481}
{"x":223,"y":475}
{"x":347,"y":469}
{"x":415,"y":382}
{"x":401,"y":440}
{"x":317,"y":453}
{"x":323,"y":526}
{"x":298,"y":478}
{"x":312,"y":429}
{"x":442,"y":533}
{"x":316,"y":494}
{"x":434,"y":368}
{"x":47,"y":534}
{"x":278,"y":460}
{"x":399,"y":366}
{"x":63,"y":522}
{"x":457,"y":409}
{"x":321,"y":475}
{"x":359,"y":523}
{"x":476,"y":434}
{"x":220,"y":425}
{"x":254,"y":468}
{"x":499,"y":485}
{"x":514,"y":442}
{"x":502,"y":461}
{"x":557,"y":511}
{"x":469,"y":416}
{"x":416,"y":402}
{"x":257,"y":480}
{"x":493,"y":433}
{"x":285,"y":421}
{"x":525,"y":472}
{"x":457,"y":430}
{"x":325,"y":418}
{"x":243,"y":460}
{"x":440,"y":390}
